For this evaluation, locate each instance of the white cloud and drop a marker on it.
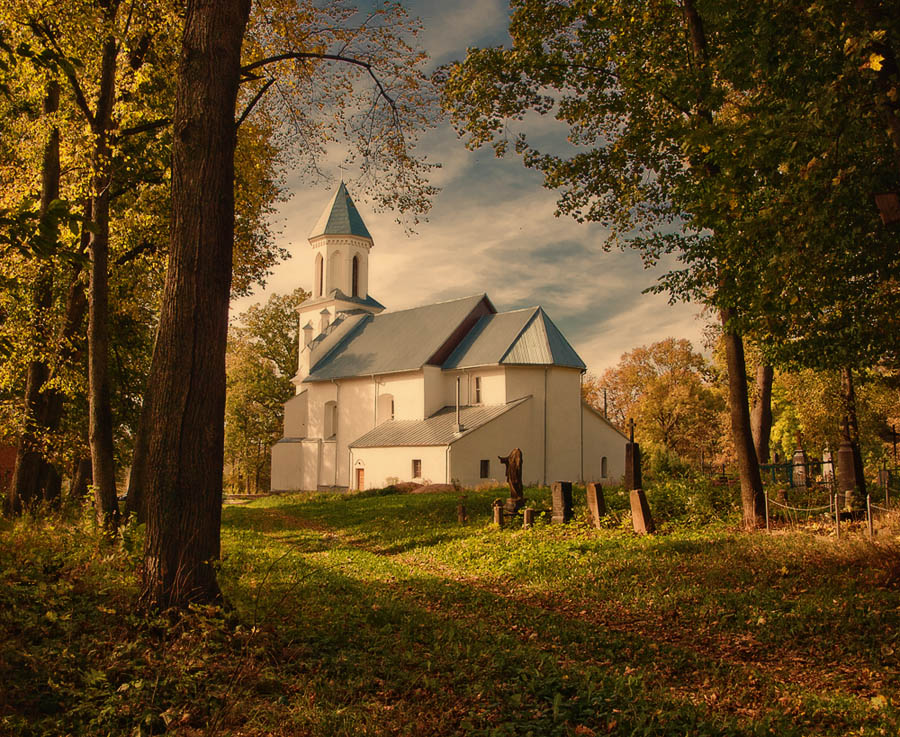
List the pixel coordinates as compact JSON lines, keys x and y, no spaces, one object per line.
{"x":492,"y":229}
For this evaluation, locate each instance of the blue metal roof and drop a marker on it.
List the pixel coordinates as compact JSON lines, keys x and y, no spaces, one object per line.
{"x":394,"y":341}
{"x":341,"y":217}
{"x":523,"y":337}
{"x":438,"y":429}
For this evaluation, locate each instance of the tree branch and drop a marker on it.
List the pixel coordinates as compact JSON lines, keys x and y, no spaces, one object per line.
{"x":253,"y":102}
{"x":132,"y":253}
{"x":382,"y":92}
{"x":68,"y":70}
{"x":143,"y":128}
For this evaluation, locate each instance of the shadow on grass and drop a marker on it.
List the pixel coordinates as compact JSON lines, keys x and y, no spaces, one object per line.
{"x":384,"y":653}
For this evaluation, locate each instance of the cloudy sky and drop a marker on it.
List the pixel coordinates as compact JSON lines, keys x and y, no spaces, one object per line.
{"x":492,"y":230}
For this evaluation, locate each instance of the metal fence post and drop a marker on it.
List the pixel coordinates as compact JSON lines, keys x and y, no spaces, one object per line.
{"x":837,"y":518}
{"x":869,"y":515}
{"x":766,"y":497}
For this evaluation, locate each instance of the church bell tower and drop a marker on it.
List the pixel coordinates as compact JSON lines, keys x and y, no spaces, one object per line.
{"x":340,"y":244}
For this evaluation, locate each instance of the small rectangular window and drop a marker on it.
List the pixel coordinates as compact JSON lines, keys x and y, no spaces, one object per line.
{"x":477,"y":390}
{"x":392,"y":409}
{"x":417,"y":468}
{"x":486,"y":469}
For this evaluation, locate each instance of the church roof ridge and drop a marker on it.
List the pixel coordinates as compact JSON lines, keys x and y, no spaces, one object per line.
{"x":340,"y":217}
{"x":483,"y":295}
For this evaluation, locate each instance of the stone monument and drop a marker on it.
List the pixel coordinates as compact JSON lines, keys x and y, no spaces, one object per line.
{"x":561,"y":493}
{"x":799,"y":462}
{"x":596,"y":503}
{"x":632,"y":461}
{"x":513,"y":463}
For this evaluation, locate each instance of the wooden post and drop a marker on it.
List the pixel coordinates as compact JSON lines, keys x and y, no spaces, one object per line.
{"x":766,"y":497}
{"x":461,"y":514}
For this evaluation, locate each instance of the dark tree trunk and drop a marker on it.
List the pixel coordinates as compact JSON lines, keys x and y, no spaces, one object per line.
{"x":100,"y":429}
{"x":183,"y":463}
{"x":752,"y":499}
{"x":761,"y":416}
{"x":81,"y":479}
{"x":134,"y":500}
{"x":31,"y":465}
{"x":851,"y":425}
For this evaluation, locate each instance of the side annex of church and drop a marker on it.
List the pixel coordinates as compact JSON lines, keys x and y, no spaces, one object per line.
{"x":431,"y":394}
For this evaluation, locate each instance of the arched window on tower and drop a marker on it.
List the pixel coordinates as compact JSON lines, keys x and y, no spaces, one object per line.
{"x":320,"y":274}
{"x":354,"y":289}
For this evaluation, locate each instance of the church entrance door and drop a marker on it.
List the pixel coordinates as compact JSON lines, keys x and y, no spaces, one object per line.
{"x":361,"y":478}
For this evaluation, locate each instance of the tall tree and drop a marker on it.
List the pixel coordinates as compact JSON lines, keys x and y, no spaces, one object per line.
{"x":635,"y":86}
{"x":184,"y":468}
{"x":182,"y":426}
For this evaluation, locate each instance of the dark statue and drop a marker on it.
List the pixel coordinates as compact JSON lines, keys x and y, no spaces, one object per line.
{"x":513,"y":463}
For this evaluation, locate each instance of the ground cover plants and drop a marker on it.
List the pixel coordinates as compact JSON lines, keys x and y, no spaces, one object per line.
{"x":381,"y":615}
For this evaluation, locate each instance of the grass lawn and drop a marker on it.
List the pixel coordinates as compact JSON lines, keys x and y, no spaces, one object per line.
{"x":381,"y":615}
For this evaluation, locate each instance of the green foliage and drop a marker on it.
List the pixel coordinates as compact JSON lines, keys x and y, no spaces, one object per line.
{"x":707,"y":130}
{"x":668,"y":389}
{"x":260,"y":362}
{"x":358,"y":614}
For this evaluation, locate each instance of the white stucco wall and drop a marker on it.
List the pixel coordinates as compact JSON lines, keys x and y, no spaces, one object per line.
{"x":295,"y":416}
{"x":433,"y":388}
{"x":409,"y":394}
{"x":513,"y":429}
{"x":601,"y":440}
{"x":295,"y":465}
{"x":381,"y":464}
{"x":493,"y":385}
{"x":563,"y":424}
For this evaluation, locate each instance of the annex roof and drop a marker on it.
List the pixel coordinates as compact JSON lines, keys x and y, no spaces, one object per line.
{"x":340,"y":217}
{"x":394,"y":341}
{"x":438,"y":429}
{"x":523,"y":337}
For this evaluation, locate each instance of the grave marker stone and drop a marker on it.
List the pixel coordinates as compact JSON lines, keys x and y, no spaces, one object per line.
{"x":641,"y":518}
{"x":632,"y":461}
{"x":827,"y":466}
{"x":799,"y":462}
{"x":596,"y":502}
{"x":527,"y":518}
{"x":498,"y":512}
{"x":561,"y":493}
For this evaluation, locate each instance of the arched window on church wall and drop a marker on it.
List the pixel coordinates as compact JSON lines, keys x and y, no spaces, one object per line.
{"x":320,"y":274}
{"x":354,"y":289}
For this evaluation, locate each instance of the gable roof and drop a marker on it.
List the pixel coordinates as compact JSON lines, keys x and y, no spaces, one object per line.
{"x":438,"y":429}
{"x":340,"y":217}
{"x":520,"y":337}
{"x":396,"y":341}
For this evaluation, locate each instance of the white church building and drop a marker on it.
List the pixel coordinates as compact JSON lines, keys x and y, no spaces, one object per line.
{"x":430,"y":394}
